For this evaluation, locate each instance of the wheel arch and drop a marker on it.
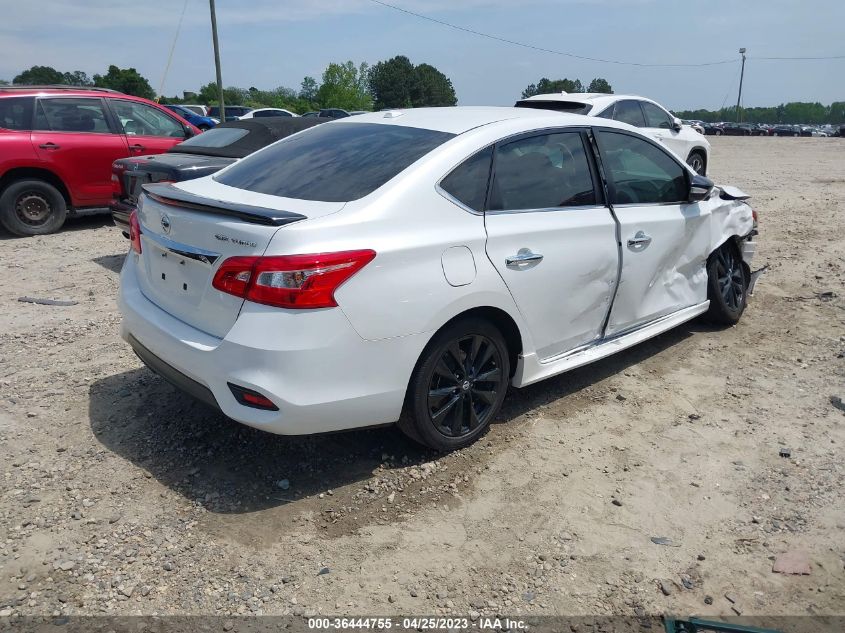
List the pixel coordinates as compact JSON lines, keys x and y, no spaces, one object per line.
{"x":699,"y":149}
{"x":37,"y":173}
{"x":499,"y":318}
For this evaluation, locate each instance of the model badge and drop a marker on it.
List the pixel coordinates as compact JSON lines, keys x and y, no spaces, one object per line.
{"x":234,"y":240}
{"x":165,"y":223}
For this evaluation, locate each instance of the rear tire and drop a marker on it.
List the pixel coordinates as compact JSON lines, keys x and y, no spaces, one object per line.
{"x":727,"y":284}
{"x":32,"y":207}
{"x":458,"y":385}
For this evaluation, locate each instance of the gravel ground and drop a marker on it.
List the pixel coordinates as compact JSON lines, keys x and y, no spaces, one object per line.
{"x":120,"y":496}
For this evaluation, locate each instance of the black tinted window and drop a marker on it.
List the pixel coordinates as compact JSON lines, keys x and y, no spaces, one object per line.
{"x":266,"y":113}
{"x":468,"y":181}
{"x":572,"y":107}
{"x":71,"y":115}
{"x":641,"y":172}
{"x":607,"y":113}
{"x":215,"y":137}
{"x":656,"y":117}
{"x":629,"y":112}
{"x":337,"y":162}
{"x":16,"y":113}
{"x":542,"y":172}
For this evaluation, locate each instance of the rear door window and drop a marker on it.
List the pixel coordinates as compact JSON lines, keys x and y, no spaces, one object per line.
{"x":16,"y":113}
{"x":629,"y":111}
{"x":546,"y":171}
{"x":66,"y":114}
{"x":467,"y":183}
{"x":333,"y":163}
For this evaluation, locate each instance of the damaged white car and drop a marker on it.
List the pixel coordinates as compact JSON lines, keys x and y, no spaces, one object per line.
{"x":408,"y":266}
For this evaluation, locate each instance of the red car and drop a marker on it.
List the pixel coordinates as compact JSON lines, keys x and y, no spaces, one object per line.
{"x":57,"y":146}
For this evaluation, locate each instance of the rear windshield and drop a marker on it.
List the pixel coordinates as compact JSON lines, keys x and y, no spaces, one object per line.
{"x":336,"y":162}
{"x":571,"y":107}
{"x":215,"y":137}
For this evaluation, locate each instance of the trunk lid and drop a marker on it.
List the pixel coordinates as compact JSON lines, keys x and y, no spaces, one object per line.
{"x":189,"y":230}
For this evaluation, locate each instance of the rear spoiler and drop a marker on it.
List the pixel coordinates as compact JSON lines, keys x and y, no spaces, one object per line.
{"x":732,"y":193}
{"x":166,"y":193}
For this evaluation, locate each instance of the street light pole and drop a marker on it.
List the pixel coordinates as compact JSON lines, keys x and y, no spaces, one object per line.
{"x":741,"y":76}
{"x":217,"y":61}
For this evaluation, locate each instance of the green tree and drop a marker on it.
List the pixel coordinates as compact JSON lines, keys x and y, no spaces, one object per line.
{"x":308,"y":89}
{"x":126,"y":80}
{"x":547,"y":86}
{"x":77,"y":78}
{"x":39,"y":75}
{"x":431,"y":88}
{"x":390,"y":83}
{"x":232,"y":95}
{"x":3,"y":82}
{"x":345,"y":86}
{"x":600,"y":85}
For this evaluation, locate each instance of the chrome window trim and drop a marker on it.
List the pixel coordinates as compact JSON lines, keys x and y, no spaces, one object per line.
{"x":191,"y":252}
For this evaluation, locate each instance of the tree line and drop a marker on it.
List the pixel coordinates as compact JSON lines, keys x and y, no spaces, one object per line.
{"x":793,"y":112}
{"x":393,"y":83}
{"x":546,"y":86}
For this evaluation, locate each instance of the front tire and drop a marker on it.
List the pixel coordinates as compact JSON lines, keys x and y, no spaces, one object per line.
{"x":458,"y":386}
{"x":727,"y":284}
{"x":32,"y":207}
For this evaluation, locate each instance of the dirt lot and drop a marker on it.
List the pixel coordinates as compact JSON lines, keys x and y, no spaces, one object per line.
{"x":121,"y":496}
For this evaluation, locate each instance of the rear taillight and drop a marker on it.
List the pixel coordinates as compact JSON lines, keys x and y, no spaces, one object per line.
{"x":135,"y":232}
{"x":117,"y":180}
{"x":290,"y":281}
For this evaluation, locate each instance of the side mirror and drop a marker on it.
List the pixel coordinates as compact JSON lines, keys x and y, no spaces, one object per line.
{"x":676,"y":124}
{"x":700,"y":188}
{"x":188,"y":131}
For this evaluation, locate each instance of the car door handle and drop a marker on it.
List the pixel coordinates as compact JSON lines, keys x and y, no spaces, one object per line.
{"x":137,"y":148}
{"x":640,"y":240}
{"x":524,"y":256}
{"x":49,"y":146}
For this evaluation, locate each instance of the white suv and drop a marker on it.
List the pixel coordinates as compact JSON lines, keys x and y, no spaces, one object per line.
{"x":423,"y":260}
{"x":640,"y":112}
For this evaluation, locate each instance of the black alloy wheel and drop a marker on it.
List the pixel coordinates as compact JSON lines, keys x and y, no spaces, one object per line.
{"x":727,"y":284}
{"x":458,"y":386}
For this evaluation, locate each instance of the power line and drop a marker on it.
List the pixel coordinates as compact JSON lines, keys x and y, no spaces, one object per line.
{"x":584,"y":57}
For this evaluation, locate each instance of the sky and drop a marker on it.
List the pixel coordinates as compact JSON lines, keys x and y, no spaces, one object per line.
{"x":270,"y":43}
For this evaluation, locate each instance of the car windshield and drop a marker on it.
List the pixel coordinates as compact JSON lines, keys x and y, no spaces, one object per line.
{"x":337,"y":162}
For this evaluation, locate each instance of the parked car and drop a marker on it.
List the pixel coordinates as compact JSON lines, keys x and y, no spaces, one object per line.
{"x":202,"y":123}
{"x":198,"y":156}
{"x":786,"y":130}
{"x":57,"y":146}
{"x":695,"y":125}
{"x":387,"y":260}
{"x":233,"y":113}
{"x":712,"y":129}
{"x":640,"y":112}
{"x":762,"y":129}
{"x":333,"y":113}
{"x":308,"y":115}
{"x":268,"y":112}
{"x":737,"y":129}
{"x":197,"y":109}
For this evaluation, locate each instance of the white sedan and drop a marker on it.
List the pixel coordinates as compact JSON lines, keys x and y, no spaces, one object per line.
{"x":267,"y":112}
{"x":653,"y":118}
{"x":408,"y":266}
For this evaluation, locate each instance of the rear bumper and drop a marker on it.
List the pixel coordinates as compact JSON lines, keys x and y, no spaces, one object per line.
{"x":120,"y":212}
{"x":314,"y":367}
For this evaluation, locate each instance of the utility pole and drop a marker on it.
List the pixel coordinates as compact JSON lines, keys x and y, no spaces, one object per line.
{"x":217,"y":61}
{"x":741,"y":75}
